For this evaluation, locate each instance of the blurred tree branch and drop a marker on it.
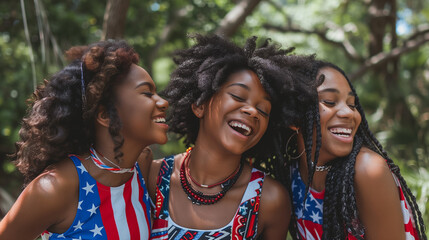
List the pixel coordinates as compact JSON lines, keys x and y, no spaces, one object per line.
{"x":346,"y":46}
{"x":166,"y":33}
{"x":229,"y":25}
{"x":381,"y":58}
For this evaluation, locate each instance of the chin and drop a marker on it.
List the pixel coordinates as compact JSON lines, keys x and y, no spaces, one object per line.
{"x":234,"y":149}
{"x":162,"y":140}
{"x":344,"y":154}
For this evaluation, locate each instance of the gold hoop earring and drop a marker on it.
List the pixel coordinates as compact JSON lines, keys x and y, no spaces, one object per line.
{"x":287,"y":146}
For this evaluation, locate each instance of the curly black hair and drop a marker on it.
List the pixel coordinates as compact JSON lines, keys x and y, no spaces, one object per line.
{"x":58,"y":122}
{"x":205,"y":66}
{"x":339,"y":207}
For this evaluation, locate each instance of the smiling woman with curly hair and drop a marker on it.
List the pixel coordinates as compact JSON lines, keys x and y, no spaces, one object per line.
{"x":225,"y":103}
{"x":79,"y":146}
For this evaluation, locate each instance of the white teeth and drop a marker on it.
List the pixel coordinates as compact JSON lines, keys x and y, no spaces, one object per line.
{"x":159,"y":120}
{"x":243,"y":126}
{"x":341,"y":131}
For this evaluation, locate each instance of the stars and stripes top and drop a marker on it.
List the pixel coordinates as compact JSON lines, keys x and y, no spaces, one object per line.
{"x":310,"y":216}
{"x":104,"y":212}
{"x":242,"y":226}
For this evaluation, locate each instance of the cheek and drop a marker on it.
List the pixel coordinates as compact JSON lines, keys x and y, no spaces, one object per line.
{"x":263,"y":126}
{"x":358,"y":119}
{"x":136,"y":109}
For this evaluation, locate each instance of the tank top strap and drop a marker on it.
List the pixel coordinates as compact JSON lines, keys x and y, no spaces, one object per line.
{"x":145,"y":198}
{"x":81,"y":170}
{"x":254,"y":187}
{"x":245,"y":222}
{"x":160,"y":222}
{"x":164,"y":175}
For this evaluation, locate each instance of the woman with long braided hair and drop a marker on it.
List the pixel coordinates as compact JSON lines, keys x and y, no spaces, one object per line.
{"x":79,"y":149}
{"x":343,"y":183}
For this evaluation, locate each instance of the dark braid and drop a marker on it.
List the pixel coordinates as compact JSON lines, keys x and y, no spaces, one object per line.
{"x":115,"y":126}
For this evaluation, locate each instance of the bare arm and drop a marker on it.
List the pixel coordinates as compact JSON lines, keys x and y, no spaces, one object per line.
{"x":46,"y":203}
{"x":275,"y":210}
{"x":377,"y":198}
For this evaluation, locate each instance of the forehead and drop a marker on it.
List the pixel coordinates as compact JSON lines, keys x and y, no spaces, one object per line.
{"x":138,"y":75}
{"x":333,"y":80}
{"x":246,"y":79}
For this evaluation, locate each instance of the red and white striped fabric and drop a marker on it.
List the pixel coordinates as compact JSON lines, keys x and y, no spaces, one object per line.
{"x":104,"y":212}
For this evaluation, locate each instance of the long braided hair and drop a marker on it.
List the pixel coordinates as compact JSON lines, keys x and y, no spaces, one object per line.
{"x":340,"y":212}
{"x":60,"y":121}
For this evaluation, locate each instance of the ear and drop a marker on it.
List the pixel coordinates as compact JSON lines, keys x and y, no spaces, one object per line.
{"x":198,"y":110}
{"x":102,"y":117}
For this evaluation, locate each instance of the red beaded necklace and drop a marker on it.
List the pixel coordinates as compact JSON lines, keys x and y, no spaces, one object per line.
{"x":198,"y":197}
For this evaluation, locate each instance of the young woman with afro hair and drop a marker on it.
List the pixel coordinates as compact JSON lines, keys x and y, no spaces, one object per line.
{"x":342,"y":182}
{"x":79,"y":147}
{"x":224,"y":102}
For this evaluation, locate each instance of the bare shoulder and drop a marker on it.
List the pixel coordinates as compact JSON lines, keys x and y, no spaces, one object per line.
{"x":275,"y":210}
{"x":370,"y":167}
{"x":56,"y":180}
{"x":377,"y":197}
{"x":48,"y":201}
{"x":274,"y":197}
{"x":273,"y":191}
{"x":57,"y":186}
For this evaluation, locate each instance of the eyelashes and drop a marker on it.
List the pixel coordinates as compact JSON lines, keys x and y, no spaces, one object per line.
{"x":148,"y":94}
{"x":240,"y":99}
{"x":329,"y":103}
{"x":332,"y":104}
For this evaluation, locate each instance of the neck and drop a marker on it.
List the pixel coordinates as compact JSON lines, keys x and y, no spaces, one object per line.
{"x":319,"y":178}
{"x":209,"y":165}
{"x":130,"y":150}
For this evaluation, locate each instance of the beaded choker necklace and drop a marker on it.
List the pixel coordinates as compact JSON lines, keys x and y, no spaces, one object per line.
{"x":100,"y":164}
{"x":322,"y":168}
{"x":198,"y":197}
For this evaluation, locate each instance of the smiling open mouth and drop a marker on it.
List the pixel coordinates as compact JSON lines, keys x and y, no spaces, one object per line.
{"x":159,"y":120}
{"x":342,"y":132}
{"x":240,"y":127}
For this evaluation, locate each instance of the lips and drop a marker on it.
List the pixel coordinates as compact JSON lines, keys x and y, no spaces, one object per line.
{"x":159,"y":120}
{"x":341,"y":131}
{"x":241,"y":127}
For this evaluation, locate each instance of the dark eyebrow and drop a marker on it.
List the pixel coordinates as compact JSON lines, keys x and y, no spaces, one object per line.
{"x":247,"y":88}
{"x":240,"y":85}
{"x":145,"y":84}
{"x":334,"y":90}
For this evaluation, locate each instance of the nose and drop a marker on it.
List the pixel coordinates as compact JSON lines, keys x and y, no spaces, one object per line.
{"x":250,"y":110}
{"x":345,"y":111}
{"x":161,"y":103}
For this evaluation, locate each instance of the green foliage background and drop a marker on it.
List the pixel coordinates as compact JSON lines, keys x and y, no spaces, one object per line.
{"x":79,"y":22}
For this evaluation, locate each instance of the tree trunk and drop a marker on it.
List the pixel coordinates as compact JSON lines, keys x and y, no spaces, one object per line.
{"x":114,"y":19}
{"x":382,"y":23}
{"x":235,"y":18}
{"x":171,"y":25}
